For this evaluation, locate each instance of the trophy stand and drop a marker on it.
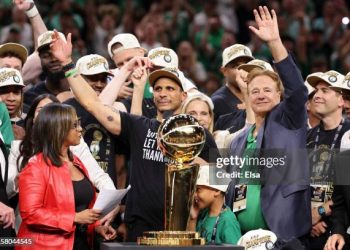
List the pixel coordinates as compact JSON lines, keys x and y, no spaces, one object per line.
{"x":181,"y":139}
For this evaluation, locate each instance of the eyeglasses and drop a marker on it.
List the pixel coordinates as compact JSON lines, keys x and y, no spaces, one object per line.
{"x":76,"y":124}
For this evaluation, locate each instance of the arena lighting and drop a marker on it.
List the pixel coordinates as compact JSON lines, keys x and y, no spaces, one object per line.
{"x":345,"y":20}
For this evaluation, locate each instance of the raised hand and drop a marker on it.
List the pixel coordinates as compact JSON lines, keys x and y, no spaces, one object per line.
{"x":267,"y":25}
{"x":23,"y":4}
{"x":137,"y":62}
{"x":139,"y":76}
{"x":62,"y":48}
{"x":241,"y":79}
{"x":268,"y":31}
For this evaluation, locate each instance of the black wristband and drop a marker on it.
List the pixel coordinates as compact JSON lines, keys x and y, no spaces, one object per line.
{"x":68,"y":67}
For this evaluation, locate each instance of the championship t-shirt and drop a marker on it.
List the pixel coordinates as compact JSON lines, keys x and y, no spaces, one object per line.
{"x":322,"y":160}
{"x":100,"y":142}
{"x":319,"y":158}
{"x":145,"y":200}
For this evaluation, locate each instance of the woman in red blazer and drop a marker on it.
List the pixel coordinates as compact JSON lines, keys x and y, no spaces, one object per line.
{"x":55,"y":193}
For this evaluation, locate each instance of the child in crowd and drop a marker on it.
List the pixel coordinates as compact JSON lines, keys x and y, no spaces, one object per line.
{"x":209,"y":215}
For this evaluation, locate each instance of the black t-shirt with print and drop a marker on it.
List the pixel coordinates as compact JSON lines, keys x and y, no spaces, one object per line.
{"x":100,"y":142}
{"x":145,"y":200}
{"x":319,"y":169}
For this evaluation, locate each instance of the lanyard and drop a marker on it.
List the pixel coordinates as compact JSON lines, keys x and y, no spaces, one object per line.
{"x":327,"y":163}
{"x":213,"y":236}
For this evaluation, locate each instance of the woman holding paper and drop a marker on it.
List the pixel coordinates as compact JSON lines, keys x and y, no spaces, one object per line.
{"x":55,"y":192}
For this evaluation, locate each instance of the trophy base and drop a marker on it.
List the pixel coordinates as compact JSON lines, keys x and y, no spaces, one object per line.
{"x":170,"y":238}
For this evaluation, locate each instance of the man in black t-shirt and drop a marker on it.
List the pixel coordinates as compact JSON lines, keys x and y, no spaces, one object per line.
{"x":229,"y":96}
{"x":145,"y":201}
{"x":323,"y":141}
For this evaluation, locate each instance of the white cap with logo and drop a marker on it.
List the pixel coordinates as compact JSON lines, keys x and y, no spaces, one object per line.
{"x":164,"y":57}
{"x":126,"y":40}
{"x":46,"y":38}
{"x":203,"y":178}
{"x":332,"y":77}
{"x":234,"y":52}
{"x":258,"y":240}
{"x":92,"y":65}
{"x":10,"y":77}
{"x":256,"y":63}
{"x":344,"y":85}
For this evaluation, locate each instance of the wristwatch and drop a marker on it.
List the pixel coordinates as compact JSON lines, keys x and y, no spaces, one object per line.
{"x":321,"y":211}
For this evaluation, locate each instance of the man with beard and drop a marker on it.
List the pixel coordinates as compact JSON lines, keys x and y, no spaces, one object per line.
{"x":228,"y":97}
{"x":55,"y":81}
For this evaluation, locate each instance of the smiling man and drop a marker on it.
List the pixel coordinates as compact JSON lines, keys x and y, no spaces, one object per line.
{"x":323,"y":141}
{"x":279,"y":130}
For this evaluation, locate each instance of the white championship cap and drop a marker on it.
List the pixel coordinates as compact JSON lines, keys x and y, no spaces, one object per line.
{"x":10,"y":77}
{"x":234,"y":52}
{"x":164,"y":57}
{"x":46,"y":38}
{"x":332,"y":77}
{"x":258,"y":240}
{"x":344,"y":85}
{"x":127,"y":41}
{"x":92,"y":65}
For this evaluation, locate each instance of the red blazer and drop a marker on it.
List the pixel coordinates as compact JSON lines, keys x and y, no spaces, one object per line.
{"x":46,"y":204}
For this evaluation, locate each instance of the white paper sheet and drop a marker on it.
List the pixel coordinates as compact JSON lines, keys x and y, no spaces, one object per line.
{"x":108,"y":199}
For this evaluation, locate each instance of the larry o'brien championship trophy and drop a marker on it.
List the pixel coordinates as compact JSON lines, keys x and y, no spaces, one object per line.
{"x":181,"y":139}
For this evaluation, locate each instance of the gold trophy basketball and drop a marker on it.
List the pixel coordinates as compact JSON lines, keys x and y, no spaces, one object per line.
{"x":181,"y":139}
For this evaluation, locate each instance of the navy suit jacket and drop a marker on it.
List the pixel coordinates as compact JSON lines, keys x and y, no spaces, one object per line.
{"x":285,"y":194}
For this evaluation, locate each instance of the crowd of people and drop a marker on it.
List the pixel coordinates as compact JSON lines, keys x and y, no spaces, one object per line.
{"x":73,"y":124}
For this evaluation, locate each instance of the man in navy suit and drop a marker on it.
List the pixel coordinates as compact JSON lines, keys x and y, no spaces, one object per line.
{"x":280,"y":200}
